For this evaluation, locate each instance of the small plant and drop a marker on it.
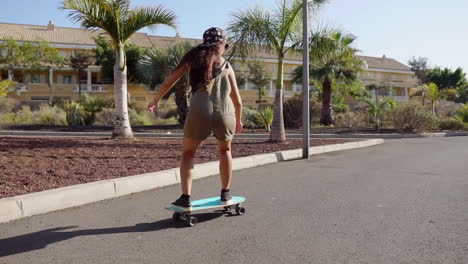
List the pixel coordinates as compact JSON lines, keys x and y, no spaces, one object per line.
{"x":91,"y":106}
{"x":265,"y":117}
{"x":74,"y":114}
{"x":377,"y":109}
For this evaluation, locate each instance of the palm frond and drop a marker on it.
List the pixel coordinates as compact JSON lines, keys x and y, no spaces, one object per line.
{"x":251,"y":30}
{"x":149,"y":17}
{"x":93,"y":14}
{"x":152,"y":67}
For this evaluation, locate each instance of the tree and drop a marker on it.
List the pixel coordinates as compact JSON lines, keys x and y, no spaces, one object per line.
{"x":256,"y":29}
{"x":156,"y":64}
{"x":105,"y":57}
{"x":80,"y":61}
{"x":260,"y":78}
{"x":432,"y":93}
{"x":446,"y":78}
{"x":28,"y":56}
{"x":4,"y":85}
{"x":332,"y":61}
{"x":119,"y":22}
{"x":420,"y":67}
{"x":377,"y":108}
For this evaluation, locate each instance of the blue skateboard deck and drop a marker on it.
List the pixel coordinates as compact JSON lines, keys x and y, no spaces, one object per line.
{"x":181,"y":213}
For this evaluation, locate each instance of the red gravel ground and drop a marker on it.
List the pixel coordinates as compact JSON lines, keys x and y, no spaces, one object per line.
{"x":36,"y":164}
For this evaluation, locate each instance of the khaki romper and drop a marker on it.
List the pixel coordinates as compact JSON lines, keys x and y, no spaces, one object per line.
{"x":211,"y":110}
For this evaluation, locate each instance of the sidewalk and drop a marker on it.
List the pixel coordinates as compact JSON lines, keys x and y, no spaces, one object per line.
{"x":47,"y":201}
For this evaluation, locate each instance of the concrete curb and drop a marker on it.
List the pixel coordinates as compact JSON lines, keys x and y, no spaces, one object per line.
{"x":61,"y":198}
{"x":13,"y":133}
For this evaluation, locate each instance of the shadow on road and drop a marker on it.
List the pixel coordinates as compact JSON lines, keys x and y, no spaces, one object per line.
{"x":41,"y":239}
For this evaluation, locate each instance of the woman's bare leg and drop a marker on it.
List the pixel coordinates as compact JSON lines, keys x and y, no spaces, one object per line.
{"x":189,"y":147}
{"x":225,"y":163}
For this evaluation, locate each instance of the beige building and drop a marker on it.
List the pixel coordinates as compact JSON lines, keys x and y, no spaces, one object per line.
{"x":64,"y":83}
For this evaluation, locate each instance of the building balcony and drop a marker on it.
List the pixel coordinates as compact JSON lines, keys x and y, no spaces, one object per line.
{"x":91,"y":88}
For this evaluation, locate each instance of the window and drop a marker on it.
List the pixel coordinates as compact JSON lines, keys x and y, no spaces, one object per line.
{"x":67,"y":79}
{"x":35,"y":78}
{"x":371,"y":75}
{"x":378,"y":76}
{"x":39,"y":98}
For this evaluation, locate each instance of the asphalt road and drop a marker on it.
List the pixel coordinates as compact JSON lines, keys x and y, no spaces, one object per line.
{"x":405,"y":201}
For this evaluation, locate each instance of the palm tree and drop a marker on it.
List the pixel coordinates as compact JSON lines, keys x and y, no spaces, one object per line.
{"x":377,"y":108}
{"x":119,"y":22}
{"x":157,"y":64}
{"x":332,"y":59}
{"x":430,"y":92}
{"x":256,"y":29}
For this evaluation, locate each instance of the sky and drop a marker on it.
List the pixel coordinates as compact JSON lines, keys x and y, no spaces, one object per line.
{"x":400,"y":29}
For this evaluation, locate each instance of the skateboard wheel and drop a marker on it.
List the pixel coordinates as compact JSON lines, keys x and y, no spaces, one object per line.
{"x":240,"y":210}
{"x":192,"y":221}
{"x":227,"y":208}
{"x":176,"y":216}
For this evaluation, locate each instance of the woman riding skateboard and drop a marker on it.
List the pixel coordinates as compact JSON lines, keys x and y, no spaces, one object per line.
{"x":215,"y":107}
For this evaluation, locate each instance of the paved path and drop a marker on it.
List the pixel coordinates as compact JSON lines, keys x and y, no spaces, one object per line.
{"x":401,"y":202}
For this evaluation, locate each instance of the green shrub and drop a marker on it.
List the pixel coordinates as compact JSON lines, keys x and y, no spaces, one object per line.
{"x":24,"y":116}
{"x":106,"y":117}
{"x":146,"y":118}
{"x":292,"y":112}
{"x":91,"y":106}
{"x":412,"y":117}
{"x":74,"y":114}
{"x":462,"y":114}
{"x":265,"y":117}
{"x":50,"y":115}
{"x":451,"y":124}
{"x":134,"y":118}
{"x":249,"y":118}
{"x":7,"y":118}
{"x":7,"y":105}
{"x":351,"y":120}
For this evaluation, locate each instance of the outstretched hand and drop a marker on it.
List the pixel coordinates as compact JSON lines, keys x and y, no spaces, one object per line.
{"x":152,"y":107}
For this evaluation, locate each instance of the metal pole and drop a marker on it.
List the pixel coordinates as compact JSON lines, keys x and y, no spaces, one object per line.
{"x":305,"y":84}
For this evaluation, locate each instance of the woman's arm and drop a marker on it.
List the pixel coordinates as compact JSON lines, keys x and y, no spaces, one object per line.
{"x":236,"y":99}
{"x":167,"y":85}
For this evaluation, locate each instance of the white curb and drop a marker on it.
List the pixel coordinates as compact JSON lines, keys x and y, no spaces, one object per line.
{"x":61,"y":198}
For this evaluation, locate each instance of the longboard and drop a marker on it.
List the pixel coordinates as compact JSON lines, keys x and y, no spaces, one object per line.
{"x":181,"y":213}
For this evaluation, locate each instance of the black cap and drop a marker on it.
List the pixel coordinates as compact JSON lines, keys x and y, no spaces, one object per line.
{"x":212,"y":36}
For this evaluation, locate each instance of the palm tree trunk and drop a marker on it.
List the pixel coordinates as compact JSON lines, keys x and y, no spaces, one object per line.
{"x":277,"y":129}
{"x":122,"y":127}
{"x":327,"y":110}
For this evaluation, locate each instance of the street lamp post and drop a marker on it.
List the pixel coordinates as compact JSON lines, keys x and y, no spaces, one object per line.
{"x":305,"y":83}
